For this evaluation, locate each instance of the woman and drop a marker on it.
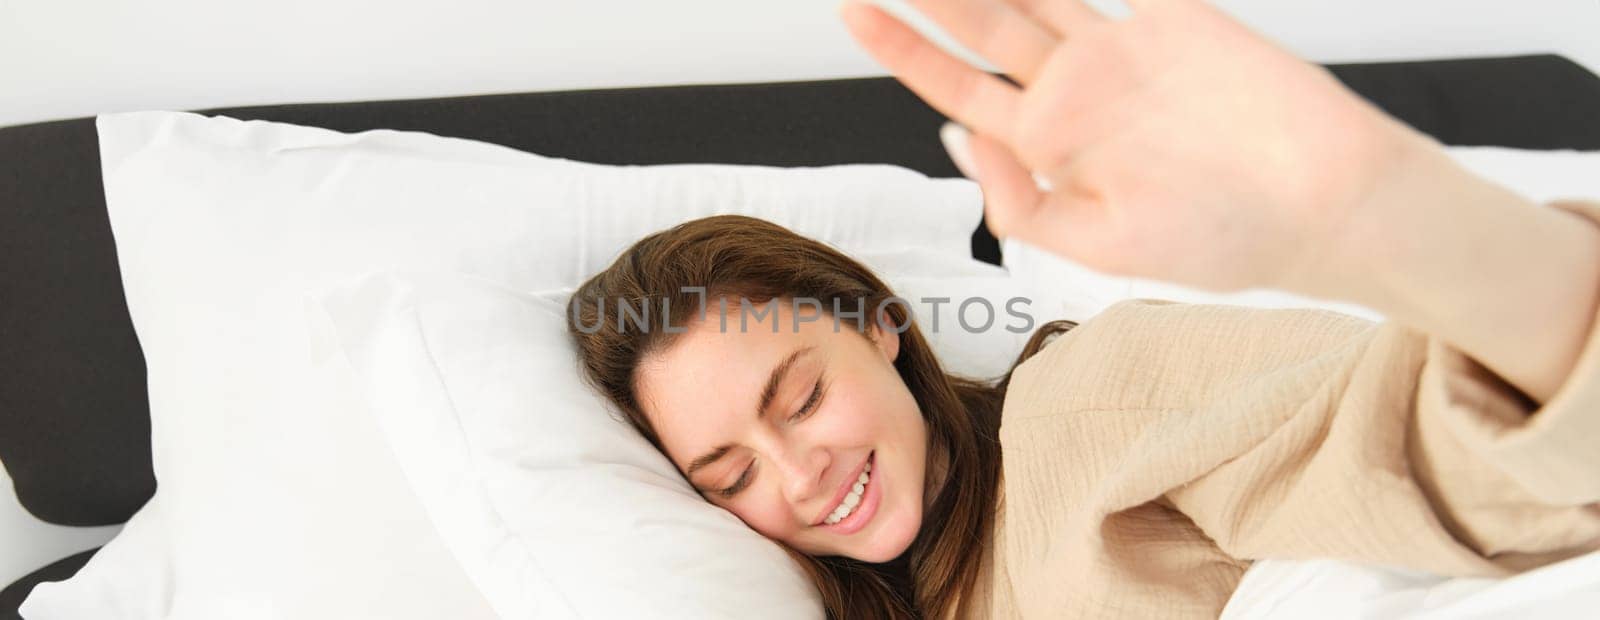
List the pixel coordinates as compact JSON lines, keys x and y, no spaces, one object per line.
{"x":1141,"y":460}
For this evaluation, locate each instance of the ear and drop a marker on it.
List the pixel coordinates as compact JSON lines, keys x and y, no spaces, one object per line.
{"x":887,"y":341}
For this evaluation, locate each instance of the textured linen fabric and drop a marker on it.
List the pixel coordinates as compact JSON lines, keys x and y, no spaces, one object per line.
{"x":1154,"y":451}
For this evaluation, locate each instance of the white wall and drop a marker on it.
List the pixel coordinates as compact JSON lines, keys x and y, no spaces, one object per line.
{"x":67,"y":58}
{"x":64,"y":58}
{"x":1379,"y":29}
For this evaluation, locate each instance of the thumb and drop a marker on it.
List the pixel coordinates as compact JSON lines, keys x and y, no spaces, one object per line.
{"x":1011,"y":195}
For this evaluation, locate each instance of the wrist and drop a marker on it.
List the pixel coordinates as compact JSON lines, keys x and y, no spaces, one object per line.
{"x":1414,"y":223}
{"x":1509,"y":282}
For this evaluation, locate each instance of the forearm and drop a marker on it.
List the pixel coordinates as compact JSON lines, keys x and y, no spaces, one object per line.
{"x":1511,"y":283}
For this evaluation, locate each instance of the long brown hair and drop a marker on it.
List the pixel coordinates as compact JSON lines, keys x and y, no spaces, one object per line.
{"x":743,"y":257}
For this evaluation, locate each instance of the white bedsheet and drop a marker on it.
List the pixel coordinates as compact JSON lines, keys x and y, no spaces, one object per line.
{"x":1312,"y":589}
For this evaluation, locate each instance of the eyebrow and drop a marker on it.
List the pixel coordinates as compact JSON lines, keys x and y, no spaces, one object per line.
{"x":768,"y":392}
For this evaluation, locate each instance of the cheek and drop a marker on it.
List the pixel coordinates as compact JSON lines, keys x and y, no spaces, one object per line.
{"x":765,"y":511}
{"x":876,"y":411}
{"x":852,"y":423}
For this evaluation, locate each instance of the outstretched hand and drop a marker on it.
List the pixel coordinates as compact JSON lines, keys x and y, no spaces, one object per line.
{"x":1178,"y":144}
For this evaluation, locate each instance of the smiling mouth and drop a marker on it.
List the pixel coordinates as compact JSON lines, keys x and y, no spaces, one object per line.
{"x":849,"y":498}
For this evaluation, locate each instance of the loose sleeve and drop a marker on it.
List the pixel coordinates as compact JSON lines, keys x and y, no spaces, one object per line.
{"x":1471,"y":476}
{"x":1420,"y":458}
{"x":1551,"y":451}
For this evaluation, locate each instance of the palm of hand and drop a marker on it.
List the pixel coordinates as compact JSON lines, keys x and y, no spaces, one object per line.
{"x":1179,"y":145}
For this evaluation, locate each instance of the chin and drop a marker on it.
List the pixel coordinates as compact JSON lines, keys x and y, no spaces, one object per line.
{"x":884,"y":553}
{"x":888,"y":543}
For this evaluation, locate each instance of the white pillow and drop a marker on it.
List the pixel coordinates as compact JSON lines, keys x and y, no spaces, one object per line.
{"x":976,"y":316}
{"x":1075,"y":291}
{"x":476,"y":387}
{"x":276,"y":498}
{"x":535,"y":221}
{"x":554,"y":507}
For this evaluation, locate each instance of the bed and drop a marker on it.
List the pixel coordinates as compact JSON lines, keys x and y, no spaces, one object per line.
{"x":74,"y":419}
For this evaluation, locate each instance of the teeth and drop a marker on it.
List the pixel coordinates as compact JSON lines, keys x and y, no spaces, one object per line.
{"x":852,"y":499}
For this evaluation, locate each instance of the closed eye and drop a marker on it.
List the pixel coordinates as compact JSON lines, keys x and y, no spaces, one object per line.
{"x":818,"y":390}
{"x":811,"y":401}
{"x":740,"y":484}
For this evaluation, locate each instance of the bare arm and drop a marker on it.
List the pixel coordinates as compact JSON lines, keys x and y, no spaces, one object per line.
{"x":1510,"y":283}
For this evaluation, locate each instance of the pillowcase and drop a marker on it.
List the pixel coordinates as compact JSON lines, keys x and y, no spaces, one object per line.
{"x":553,"y":507}
{"x":535,"y":221}
{"x":975,"y":315}
{"x":1074,"y":290}
{"x":278,"y":496}
{"x":477,"y":390}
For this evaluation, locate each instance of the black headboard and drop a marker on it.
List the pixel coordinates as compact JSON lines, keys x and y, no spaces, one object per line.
{"x":74,"y":419}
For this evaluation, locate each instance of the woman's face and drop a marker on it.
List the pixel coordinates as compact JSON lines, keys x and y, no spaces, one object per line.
{"x":790,"y":467}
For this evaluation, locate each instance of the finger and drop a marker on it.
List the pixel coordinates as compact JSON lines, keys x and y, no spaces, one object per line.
{"x":1018,"y":205}
{"x":1015,"y":43}
{"x":976,"y":99}
{"x":1011,"y":198}
{"x":1142,"y":5}
{"x":1073,"y":226}
{"x":1061,"y":16}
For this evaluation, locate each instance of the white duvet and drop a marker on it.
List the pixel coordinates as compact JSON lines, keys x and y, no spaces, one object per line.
{"x":1303,"y":589}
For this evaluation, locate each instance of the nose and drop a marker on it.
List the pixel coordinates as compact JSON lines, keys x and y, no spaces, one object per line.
{"x":803,"y":469}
